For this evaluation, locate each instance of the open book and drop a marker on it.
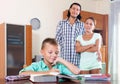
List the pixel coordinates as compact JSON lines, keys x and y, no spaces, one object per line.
{"x":52,"y":77}
{"x":93,"y":77}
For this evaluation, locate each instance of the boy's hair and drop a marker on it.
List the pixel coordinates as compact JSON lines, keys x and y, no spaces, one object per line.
{"x":51,"y":41}
{"x":79,"y":16}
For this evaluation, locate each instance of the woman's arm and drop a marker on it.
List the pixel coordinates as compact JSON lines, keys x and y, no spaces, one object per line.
{"x":97,"y":45}
{"x":95,"y":48}
{"x":80,"y":48}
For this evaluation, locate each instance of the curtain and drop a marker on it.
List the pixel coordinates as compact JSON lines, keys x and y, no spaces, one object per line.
{"x":114,"y":41}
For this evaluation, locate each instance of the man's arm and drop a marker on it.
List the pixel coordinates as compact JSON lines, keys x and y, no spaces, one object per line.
{"x":58,"y":35}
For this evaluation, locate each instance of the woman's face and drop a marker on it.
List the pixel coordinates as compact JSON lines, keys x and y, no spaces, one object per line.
{"x":89,"y":25}
{"x":74,"y":11}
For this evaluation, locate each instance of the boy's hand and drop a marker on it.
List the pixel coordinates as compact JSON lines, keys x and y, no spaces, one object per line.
{"x":58,"y":59}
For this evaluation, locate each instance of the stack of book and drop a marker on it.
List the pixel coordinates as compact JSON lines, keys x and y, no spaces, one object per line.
{"x":99,"y":77}
{"x":17,"y":77}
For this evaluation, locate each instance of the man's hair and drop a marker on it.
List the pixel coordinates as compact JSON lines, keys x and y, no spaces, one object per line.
{"x":51,"y":41}
{"x":79,"y":16}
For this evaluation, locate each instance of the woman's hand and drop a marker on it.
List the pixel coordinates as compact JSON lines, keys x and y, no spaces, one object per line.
{"x":99,"y":56}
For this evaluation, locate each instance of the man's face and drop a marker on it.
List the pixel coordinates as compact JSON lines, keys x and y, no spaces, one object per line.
{"x":74,"y":11}
{"x":50,"y":53}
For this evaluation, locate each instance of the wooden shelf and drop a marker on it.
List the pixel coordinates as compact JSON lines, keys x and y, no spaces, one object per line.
{"x":16,"y":54}
{"x":103,"y":51}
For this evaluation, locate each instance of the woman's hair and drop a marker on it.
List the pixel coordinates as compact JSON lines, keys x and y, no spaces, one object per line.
{"x":79,"y":16}
{"x":94,"y":21}
{"x":51,"y":41}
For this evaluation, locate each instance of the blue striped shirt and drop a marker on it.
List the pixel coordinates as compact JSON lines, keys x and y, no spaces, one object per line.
{"x":66,"y":35}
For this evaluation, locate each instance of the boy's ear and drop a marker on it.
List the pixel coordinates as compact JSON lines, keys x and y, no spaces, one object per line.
{"x":41,"y":51}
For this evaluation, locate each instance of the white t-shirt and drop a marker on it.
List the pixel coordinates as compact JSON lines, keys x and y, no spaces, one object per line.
{"x":89,"y":60}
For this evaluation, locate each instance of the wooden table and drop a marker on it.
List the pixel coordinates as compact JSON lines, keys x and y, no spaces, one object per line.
{"x":2,"y":81}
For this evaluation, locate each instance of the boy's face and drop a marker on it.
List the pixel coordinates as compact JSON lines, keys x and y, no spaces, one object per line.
{"x":50,"y":53}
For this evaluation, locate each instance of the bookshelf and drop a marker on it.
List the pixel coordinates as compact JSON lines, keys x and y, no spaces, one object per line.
{"x":15,"y":48}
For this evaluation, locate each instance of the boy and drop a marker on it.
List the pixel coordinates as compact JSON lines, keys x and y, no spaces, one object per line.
{"x":51,"y":62}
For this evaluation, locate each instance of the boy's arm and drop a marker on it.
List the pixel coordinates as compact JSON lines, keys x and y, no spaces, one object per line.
{"x":35,"y":68}
{"x":32,"y":72}
{"x":39,"y":72}
{"x":74,"y":69}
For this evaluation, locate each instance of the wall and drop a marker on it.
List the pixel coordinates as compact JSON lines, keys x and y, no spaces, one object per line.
{"x":48,"y":11}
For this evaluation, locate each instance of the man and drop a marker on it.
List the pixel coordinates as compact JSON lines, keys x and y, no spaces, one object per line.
{"x":66,"y":33}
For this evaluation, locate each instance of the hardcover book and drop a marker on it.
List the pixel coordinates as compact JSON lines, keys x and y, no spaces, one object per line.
{"x":43,"y":78}
{"x":52,"y":77}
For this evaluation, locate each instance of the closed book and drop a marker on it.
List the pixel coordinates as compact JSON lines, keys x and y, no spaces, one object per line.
{"x":43,"y":78}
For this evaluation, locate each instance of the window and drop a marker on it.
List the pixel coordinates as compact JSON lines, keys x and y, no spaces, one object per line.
{"x":114,"y":41}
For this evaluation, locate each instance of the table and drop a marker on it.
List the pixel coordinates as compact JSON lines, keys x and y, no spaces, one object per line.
{"x":2,"y":81}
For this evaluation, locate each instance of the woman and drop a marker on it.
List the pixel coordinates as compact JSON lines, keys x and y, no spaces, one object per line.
{"x":89,"y":45}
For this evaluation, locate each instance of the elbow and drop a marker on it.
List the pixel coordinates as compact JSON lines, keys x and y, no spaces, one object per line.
{"x":21,"y":73}
{"x":78,"y":50}
{"x":77,"y":72}
{"x":96,"y":49}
